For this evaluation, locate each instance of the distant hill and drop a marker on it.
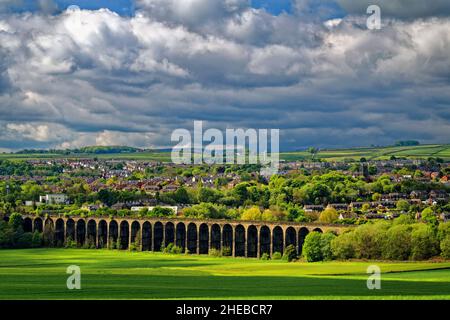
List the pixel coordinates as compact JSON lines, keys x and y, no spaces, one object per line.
{"x":164,"y":155}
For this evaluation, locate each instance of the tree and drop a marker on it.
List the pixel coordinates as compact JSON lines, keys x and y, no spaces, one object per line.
{"x":428,"y":216}
{"x":252,"y":214}
{"x":445,"y":247}
{"x":424,"y":242}
{"x":343,"y":247}
{"x":403,"y":205}
{"x":312,"y":249}
{"x":15,"y":220}
{"x":397,"y":243}
{"x":329,"y":215}
{"x":443,"y":230}
{"x":325,"y":243}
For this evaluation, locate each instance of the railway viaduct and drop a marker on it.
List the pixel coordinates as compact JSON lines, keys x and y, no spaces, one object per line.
{"x":242,"y":238}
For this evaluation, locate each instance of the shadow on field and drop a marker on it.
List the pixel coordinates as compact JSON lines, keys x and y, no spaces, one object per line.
{"x":191,"y":287}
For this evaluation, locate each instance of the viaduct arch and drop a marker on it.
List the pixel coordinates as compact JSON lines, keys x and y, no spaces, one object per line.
{"x":235,"y":238}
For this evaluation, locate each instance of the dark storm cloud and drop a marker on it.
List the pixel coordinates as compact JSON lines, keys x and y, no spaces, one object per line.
{"x":94,"y":77}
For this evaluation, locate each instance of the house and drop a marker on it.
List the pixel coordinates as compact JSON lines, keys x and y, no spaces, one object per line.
{"x":57,"y":198}
{"x":419,"y":194}
{"x":338,"y":206}
{"x":313,"y":208}
{"x":439,"y":195}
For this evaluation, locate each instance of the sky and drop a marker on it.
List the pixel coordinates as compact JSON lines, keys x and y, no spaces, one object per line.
{"x":130,"y":72}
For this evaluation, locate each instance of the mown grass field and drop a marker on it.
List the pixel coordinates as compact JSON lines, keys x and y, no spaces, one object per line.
{"x":41,"y":274}
{"x":381,"y":153}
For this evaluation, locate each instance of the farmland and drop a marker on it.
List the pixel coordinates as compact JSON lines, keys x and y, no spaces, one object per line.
{"x":107,"y":274}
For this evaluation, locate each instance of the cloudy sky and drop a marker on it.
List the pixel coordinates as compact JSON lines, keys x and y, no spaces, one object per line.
{"x":130,"y":72}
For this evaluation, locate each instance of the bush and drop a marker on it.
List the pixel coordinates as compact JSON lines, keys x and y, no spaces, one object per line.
{"x":176,"y":250}
{"x":276,"y":256}
{"x":167,"y":249}
{"x":290,"y":253}
{"x":215,"y":253}
{"x":36,"y":241}
{"x":343,"y":247}
{"x":70,"y":243}
{"x":424,"y":242}
{"x":265,"y":256}
{"x":312,"y":249}
{"x":226,"y":251}
{"x":445,"y":247}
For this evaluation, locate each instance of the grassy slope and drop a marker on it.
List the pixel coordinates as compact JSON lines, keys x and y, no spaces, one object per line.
{"x":40,"y":274}
{"x":423,"y":151}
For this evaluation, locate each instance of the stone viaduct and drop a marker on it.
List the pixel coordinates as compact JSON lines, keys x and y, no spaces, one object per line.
{"x":242,"y":238}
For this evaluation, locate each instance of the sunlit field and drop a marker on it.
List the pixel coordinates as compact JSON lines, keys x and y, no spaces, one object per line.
{"x":105,"y":274}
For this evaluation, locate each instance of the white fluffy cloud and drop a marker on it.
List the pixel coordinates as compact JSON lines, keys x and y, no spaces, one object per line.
{"x":94,"y":77}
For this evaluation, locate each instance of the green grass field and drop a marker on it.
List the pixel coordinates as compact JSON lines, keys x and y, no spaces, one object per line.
{"x":381,"y":153}
{"x":41,"y":274}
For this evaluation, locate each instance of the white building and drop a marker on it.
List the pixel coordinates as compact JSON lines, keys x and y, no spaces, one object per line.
{"x":54,"y":199}
{"x":174,"y":209}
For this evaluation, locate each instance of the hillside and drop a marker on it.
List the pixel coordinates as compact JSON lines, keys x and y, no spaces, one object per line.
{"x":371,"y":153}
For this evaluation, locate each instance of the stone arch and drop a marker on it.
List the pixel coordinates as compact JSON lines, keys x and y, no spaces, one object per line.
{"x":136,"y":234}
{"x":239,"y":240}
{"x":113,"y":234}
{"x":291,"y":237}
{"x":27,"y":225}
{"x":169,"y":233}
{"x":38,"y":225}
{"x":192,"y":238}
{"x":124,"y":235}
{"x":146,"y":236}
{"x":264,"y":240}
{"x":203,"y":239}
{"x":49,"y":233}
{"x":318,"y":230}
{"x":227,"y":239}
{"x":81,"y":232}
{"x":92,"y":234}
{"x":102,"y":241}
{"x":252,"y":242}
{"x":181,"y":236}
{"x":70,"y":230}
{"x":277,"y":240}
{"x":158,"y":236}
{"x":301,"y":238}
{"x":59,"y":232}
{"x":215,"y":237}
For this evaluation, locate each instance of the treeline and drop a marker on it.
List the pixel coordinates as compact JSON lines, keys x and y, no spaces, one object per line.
{"x":401,"y":240}
{"x":12,"y":235}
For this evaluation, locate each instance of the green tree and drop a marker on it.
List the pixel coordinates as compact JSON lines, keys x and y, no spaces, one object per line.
{"x":325,"y":243}
{"x":343,"y":247}
{"x":403,"y":205}
{"x":445,"y":247}
{"x":329,"y":215}
{"x":428,"y":216}
{"x":424,"y":242}
{"x":312,"y":248}
{"x":397,"y":243}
